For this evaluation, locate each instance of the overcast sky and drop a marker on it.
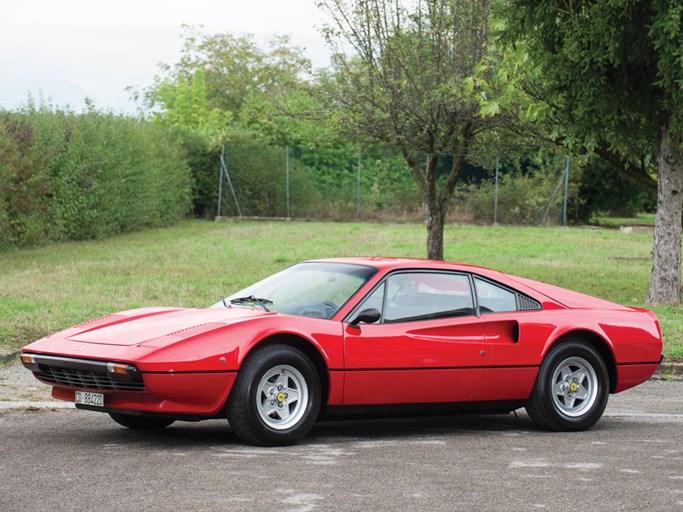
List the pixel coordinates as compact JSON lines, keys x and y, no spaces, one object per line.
{"x":73,"y":49}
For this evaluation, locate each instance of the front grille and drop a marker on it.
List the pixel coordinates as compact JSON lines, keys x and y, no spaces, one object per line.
{"x":85,"y":379}
{"x":83,"y":373}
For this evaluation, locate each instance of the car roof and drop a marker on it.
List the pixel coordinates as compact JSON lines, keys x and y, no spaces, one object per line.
{"x":530,"y":287}
{"x":388,"y":263}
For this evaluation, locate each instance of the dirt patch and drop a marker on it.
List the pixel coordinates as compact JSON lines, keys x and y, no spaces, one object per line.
{"x":17,"y":384}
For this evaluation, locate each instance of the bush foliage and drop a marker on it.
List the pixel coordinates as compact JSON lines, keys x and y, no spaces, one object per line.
{"x":324,"y":185}
{"x":523,"y":199}
{"x":68,"y":176}
{"x":323,"y":181}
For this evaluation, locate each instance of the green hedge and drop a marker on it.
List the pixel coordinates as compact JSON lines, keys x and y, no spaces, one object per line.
{"x":68,"y":176}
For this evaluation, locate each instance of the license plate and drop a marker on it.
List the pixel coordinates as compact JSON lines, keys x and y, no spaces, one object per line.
{"x":87,"y":398}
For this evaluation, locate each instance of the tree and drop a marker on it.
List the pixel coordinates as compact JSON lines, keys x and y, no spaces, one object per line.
{"x":218,"y":93}
{"x":216,"y":76}
{"x":183,"y":103}
{"x":612,"y":74}
{"x":410,"y":81}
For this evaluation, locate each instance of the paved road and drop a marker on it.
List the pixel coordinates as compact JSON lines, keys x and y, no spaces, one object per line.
{"x":68,"y":460}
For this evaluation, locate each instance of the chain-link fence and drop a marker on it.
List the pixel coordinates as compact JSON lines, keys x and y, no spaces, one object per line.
{"x":353,"y":183}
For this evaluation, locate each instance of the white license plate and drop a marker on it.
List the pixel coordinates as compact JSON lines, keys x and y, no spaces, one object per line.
{"x":87,"y":398}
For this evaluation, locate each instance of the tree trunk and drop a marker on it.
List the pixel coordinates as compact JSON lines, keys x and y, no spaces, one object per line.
{"x":665,"y":280}
{"x":437,"y":201}
{"x":435,"y":221}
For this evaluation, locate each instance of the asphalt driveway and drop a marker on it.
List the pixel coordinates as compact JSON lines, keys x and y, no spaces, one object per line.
{"x":63,"y":459}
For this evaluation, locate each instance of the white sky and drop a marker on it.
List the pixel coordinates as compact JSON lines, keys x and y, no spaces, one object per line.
{"x":71,"y":49}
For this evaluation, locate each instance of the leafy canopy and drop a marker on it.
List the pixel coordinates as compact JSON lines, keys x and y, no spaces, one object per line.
{"x":611,"y":70}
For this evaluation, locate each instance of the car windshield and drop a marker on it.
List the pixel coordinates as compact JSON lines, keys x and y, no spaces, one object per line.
{"x":313,"y":289}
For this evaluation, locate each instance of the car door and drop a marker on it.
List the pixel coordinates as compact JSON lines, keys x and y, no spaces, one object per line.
{"x":514,"y":331}
{"x":428,"y":346}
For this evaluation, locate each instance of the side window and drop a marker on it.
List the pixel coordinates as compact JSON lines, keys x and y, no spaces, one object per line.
{"x":376,"y":300}
{"x":424,"y":295}
{"x":493,"y":298}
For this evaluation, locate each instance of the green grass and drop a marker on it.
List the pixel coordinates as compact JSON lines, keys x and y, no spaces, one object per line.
{"x":192,"y":264}
{"x":642,"y":219}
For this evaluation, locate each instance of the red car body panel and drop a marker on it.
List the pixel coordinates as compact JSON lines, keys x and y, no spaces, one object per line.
{"x":182,"y":394}
{"x":441,"y":360}
{"x":189,"y":358}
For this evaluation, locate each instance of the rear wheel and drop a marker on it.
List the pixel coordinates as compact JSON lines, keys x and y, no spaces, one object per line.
{"x":276,"y":397}
{"x":571,"y":388}
{"x":135,"y":422}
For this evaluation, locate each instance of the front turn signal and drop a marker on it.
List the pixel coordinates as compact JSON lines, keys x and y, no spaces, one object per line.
{"x":27,"y":359}
{"x":118,"y":368}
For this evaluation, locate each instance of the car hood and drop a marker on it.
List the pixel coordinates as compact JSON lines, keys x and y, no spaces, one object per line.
{"x":141,"y":325}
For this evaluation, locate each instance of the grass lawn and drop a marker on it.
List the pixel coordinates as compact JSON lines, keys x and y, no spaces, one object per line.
{"x":192,"y":264}
{"x":642,"y":219}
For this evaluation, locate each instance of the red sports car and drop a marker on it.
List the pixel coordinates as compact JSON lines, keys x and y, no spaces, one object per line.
{"x":356,"y":334}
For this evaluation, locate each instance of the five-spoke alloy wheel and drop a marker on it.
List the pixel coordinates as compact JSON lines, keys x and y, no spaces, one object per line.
{"x":571,"y":388}
{"x":282,"y":396}
{"x":575,"y":387}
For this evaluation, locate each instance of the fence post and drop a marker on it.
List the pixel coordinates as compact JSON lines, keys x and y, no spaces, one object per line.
{"x":566,"y":186}
{"x":495,"y":202}
{"x":358,"y":187}
{"x":287,"y":177}
{"x":220,"y":186}
{"x":224,"y":168}
{"x":552,"y":200}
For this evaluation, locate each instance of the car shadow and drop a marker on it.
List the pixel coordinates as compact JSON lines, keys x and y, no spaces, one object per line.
{"x":420,"y":426}
{"x":217,"y":432}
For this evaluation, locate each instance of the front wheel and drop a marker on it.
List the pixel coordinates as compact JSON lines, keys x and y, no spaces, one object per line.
{"x":571,"y":388}
{"x":276,"y":397}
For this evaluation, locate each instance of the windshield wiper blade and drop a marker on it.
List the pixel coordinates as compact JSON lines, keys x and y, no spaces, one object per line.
{"x":251,"y":299}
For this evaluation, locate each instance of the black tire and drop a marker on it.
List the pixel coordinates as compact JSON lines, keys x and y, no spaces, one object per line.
{"x":260,"y":409}
{"x":571,"y":388}
{"x":136,"y":422}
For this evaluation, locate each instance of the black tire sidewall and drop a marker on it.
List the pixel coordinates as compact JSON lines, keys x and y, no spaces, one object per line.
{"x":135,"y":422}
{"x":553,"y":417}
{"x":242,"y":409}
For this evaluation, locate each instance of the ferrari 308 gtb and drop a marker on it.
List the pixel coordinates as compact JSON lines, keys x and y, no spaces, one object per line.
{"x":352,"y":335}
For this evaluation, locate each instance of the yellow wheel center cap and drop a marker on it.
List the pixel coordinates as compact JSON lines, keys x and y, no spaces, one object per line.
{"x":573,"y":387}
{"x":280,"y":397}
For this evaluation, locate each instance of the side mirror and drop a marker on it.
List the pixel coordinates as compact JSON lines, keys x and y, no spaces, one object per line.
{"x":367,"y":316}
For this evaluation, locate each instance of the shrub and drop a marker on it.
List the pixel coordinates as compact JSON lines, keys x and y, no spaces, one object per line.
{"x":522,"y":199}
{"x":68,"y":176}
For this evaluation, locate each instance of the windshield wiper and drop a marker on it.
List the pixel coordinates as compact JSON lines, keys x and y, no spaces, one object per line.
{"x":251,"y":299}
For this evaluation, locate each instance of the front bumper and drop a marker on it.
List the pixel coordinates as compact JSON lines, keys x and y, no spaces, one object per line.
{"x":176,"y":393}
